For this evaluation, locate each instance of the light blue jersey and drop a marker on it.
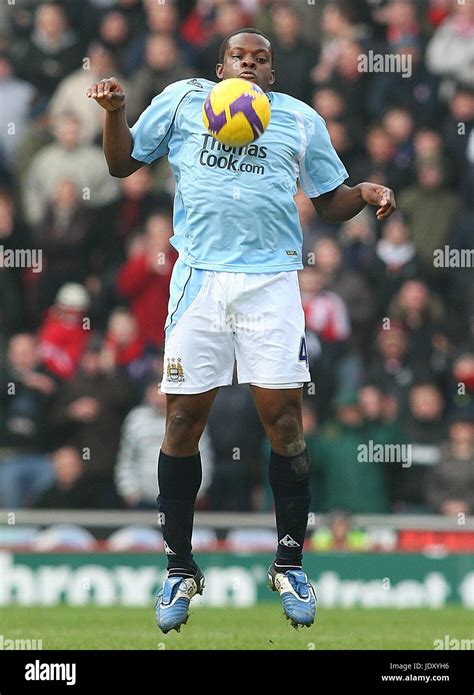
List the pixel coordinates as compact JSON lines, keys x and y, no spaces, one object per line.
{"x":234,"y":208}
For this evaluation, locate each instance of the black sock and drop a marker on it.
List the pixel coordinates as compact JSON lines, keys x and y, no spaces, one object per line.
{"x":179,"y":480}
{"x":289,"y":479}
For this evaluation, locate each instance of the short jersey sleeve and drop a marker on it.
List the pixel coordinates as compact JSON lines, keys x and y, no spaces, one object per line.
{"x":321,"y":170}
{"x":152,"y":131}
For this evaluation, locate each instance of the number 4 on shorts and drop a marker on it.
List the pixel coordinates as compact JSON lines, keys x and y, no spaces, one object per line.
{"x":303,"y":356}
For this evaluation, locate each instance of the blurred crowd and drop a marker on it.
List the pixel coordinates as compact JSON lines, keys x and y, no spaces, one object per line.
{"x":389,"y":307}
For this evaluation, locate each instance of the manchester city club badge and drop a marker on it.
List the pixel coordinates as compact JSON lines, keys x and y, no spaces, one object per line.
{"x":174,"y":370}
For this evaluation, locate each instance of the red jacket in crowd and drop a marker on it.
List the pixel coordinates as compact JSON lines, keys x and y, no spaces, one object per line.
{"x":62,"y":339}
{"x":147,"y":292}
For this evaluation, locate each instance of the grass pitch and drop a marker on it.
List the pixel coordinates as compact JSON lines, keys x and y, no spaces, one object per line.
{"x":261,"y":627}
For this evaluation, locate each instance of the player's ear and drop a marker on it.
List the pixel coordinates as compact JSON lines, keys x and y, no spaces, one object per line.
{"x":272,"y":78}
{"x":220,"y":70}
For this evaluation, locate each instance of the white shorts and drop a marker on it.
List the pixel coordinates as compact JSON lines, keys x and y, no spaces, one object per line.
{"x":216,"y":319}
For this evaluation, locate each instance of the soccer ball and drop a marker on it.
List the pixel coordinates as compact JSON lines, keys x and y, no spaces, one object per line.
{"x":236,"y":112}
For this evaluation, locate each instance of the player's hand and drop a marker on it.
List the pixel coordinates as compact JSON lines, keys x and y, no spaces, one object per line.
{"x":380,"y":196}
{"x":107,"y":93}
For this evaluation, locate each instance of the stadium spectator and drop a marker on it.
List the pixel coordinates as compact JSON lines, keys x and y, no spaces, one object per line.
{"x":90,"y":408}
{"x":331,"y":105}
{"x":461,"y":384}
{"x":428,"y":146}
{"x":399,"y":125}
{"x":236,"y":436}
{"x":401,"y":20}
{"x":162,"y":66}
{"x":450,"y":483}
{"x":424,"y":430}
{"x":336,"y":29}
{"x":198,"y":24}
{"x":349,"y":285}
{"x":294,"y":57}
{"x":142,"y":435}
{"x":390,"y":366}
{"x":458,"y":132}
{"x":357,"y":237}
{"x":73,"y":487}
{"x":420,"y":312}
{"x":17,"y":98}
{"x":450,"y":52}
{"x":262,"y":17}
{"x":339,"y":534}
{"x":138,"y":200}
{"x":50,"y":53}
{"x":26,"y":394}
{"x":114,"y":33}
{"x":328,"y":330}
{"x":134,"y":13}
{"x":65,"y":98}
{"x":389,"y":89}
{"x":346,"y":145}
{"x":63,"y":333}
{"x":378,"y":426}
{"x":10,"y":306}
{"x":437,"y":11}
{"x":122,"y":337}
{"x":64,"y":236}
{"x":128,"y":348}
{"x":431,"y":210}
{"x":325,"y":312}
{"x":14,"y":235}
{"x":67,"y":158}
{"x":229,"y":18}
{"x":378,"y":165}
{"x":393,"y":261}
{"x":346,"y":77}
{"x":163,"y":18}
{"x":382,"y":427}
{"x":145,"y":276}
{"x":348,"y":482}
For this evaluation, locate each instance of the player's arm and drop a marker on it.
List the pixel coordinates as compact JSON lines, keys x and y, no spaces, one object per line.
{"x":344,"y":202}
{"x":117,"y":141}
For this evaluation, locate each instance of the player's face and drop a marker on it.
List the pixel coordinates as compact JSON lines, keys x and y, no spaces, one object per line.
{"x":248,"y":56}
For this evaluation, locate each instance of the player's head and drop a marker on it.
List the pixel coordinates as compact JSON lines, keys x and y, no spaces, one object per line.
{"x":247,"y":53}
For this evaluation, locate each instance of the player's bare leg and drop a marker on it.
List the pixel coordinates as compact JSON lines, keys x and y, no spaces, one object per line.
{"x":281,"y":416}
{"x":186,"y":417}
{"x":179,"y":478}
{"x":280,"y":412}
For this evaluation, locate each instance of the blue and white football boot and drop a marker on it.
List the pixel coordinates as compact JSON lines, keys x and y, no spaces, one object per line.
{"x":297,"y":595}
{"x":172,"y":601}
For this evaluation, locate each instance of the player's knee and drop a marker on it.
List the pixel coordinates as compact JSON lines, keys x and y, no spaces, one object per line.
{"x":288,"y":434}
{"x":183,"y":426}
